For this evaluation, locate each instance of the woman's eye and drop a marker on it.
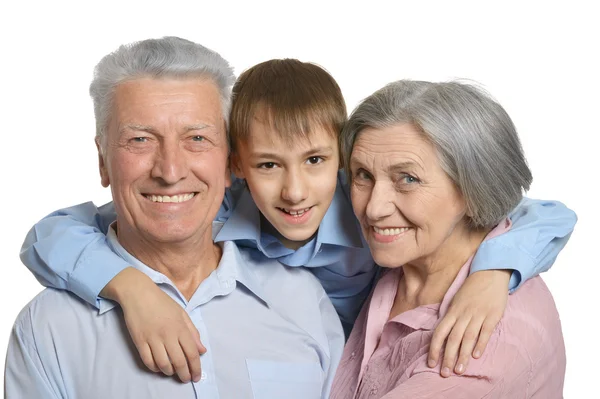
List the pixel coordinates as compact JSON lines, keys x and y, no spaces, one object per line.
{"x":362,"y":175}
{"x":314,"y":160}
{"x":408,"y":179}
{"x":267,"y":165}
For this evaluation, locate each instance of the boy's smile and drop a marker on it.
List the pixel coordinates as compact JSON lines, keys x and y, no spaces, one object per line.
{"x":292,"y":184}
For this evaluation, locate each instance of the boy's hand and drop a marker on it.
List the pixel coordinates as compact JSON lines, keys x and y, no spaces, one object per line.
{"x":162,"y":331}
{"x":472,"y":317}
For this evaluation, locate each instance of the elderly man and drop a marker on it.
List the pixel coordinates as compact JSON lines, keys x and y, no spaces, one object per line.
{"x":160,"y":110}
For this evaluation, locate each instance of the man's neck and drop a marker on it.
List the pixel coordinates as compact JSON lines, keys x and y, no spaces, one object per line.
{"x":186,"y":264}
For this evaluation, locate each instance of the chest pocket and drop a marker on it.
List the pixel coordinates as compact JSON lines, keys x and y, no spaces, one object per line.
{"x":283,"y":380}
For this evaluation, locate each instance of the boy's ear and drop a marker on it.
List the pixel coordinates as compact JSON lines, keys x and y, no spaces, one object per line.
{"x":235,"y":165}
{"x":104,"y":179}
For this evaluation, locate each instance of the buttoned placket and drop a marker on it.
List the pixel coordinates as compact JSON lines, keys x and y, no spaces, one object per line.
{"x":207,"y":386}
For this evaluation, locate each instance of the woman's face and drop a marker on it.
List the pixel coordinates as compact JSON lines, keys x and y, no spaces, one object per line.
{"x":407,"y":206}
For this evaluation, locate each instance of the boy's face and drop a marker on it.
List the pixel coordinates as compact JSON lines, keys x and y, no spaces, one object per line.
{"x":291,"y":184}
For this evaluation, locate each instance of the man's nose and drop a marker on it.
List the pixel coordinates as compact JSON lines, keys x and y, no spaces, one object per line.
{"x":171,"y":163}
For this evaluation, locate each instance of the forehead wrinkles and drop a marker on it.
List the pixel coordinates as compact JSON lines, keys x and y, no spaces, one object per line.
{"x":387,"y":152}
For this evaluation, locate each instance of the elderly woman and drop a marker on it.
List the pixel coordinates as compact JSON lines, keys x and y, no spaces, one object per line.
{"x":435,"y":169}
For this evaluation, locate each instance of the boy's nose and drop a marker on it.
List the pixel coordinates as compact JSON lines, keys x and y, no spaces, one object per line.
{"x":294,"y":189}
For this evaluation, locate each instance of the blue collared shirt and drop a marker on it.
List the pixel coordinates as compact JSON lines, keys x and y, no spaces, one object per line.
{"x":270,"y":332}
{"x":338,"y":255}
{"x":68,"y":250}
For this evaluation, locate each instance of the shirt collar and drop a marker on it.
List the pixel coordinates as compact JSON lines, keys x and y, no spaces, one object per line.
{"x":244,"y":222}
{"x":338,"y":227}
{"x":232,"y":267}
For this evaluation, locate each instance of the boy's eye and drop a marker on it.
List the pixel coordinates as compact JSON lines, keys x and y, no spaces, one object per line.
{"x":314,"y":160}
{"x":267,"y":165}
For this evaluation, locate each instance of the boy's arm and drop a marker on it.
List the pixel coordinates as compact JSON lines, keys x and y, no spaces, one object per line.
{"x":68,"y":250}
{"x":540,"y":229}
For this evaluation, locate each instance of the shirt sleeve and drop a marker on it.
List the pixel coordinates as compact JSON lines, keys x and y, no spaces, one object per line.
{"x":25,"y":376}
{"x":335,"y":339}
{"x":540,"y":230}
{"x":68,"y":250}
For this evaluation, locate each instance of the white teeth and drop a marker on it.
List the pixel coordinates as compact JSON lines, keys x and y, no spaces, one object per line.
{"x":173,"y":198}
{"x":295,"y":213}
{"x":390,"y":232}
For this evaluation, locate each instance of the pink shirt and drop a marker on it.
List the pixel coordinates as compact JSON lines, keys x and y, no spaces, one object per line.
{"x":525,"y":357}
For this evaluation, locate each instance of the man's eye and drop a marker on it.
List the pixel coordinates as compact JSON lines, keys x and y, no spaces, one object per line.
{"x":198,"y":138}
{"x":267,"y":165}
{"x":140,"y":139}
{"x":314,"y":160}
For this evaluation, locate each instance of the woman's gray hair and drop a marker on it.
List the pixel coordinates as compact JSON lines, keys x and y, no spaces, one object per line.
{"x":157,"y":58}
{"x":476,"y":141}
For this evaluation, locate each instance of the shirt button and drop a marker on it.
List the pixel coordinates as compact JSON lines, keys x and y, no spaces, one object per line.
{"x":352,"y":355}
{"x":374,"y":391}
{"x":203,"y":376}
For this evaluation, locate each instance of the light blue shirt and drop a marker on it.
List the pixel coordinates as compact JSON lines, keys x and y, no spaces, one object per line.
{"x":68,"y":250}
{"x":270,"y":332}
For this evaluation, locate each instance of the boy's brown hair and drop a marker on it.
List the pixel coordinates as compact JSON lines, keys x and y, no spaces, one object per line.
{"x":291,"y":96}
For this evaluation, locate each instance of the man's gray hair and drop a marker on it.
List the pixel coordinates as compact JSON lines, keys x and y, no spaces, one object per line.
{"x":475,"y":139}
{"x":157,"y":58}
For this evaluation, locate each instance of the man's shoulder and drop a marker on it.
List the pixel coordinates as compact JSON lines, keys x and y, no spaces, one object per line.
{"x":52,"y":308}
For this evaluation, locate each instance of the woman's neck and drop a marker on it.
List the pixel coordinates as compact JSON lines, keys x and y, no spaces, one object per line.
{"x":427,"y":279}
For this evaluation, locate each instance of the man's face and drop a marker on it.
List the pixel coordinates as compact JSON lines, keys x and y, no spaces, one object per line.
{"x":292,"y":185}
{"x":165,"y":158}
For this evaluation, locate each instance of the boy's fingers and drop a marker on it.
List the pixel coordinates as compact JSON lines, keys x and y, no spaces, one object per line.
{"x":192,"y":356}
{"x":484,"y":337}
{"x":147,"y":359}
{"x":178,"y":360}
{"x":159,"y":353}
{"x":195,"y":335}
{"x":468,"y":343}
{"x":437,"y":341}
{"x":453,"y":345}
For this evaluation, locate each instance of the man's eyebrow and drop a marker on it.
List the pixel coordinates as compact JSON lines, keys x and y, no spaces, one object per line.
{"x":137,"y":127}
{"x":198,"y":126}
{"x":150,"y":129}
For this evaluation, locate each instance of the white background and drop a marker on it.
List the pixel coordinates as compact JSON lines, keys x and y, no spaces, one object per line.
{"x":538,"y":59}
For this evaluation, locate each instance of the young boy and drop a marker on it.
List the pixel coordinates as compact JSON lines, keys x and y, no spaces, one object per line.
{"x":289,"y":203}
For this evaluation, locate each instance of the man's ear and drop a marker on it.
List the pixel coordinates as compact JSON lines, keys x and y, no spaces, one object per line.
{"x":235,"y":165}
{"x":104,"y":179}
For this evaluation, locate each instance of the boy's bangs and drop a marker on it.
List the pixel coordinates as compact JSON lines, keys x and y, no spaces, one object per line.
{"x":297,"y":124}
